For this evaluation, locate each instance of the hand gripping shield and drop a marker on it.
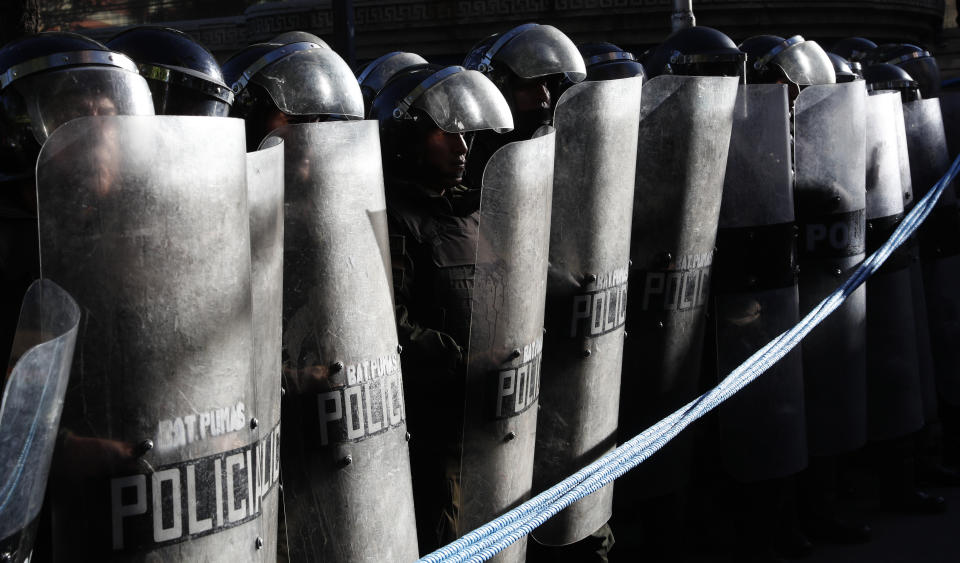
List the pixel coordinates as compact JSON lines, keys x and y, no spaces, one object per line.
{"x":30,"y":413}
{"x":684,"y":136}
{"x":346,"y":468}
{"x":158,"y":456}
{"x":830,"y":196}
{"x":939,"y":241}
{"x":763,"y":427}
{"x":265,"y":203}
{"x":586,"y":294}
{"x":506,"y":333}
{"x":894,"y":402}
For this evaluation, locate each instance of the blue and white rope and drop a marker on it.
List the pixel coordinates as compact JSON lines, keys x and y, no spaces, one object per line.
{"x":491,"y":538}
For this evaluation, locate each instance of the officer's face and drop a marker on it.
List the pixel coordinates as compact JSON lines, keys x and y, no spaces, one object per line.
{"x":531,"y":94}
{"x":444,"y":159}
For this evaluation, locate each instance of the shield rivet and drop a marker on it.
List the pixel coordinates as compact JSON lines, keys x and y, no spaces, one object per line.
{"x":253,"y":423}
{"x":510,"y":436}
{"x":666,"y":257}
{"x":283,"y":390}
{"x":586,"y":353}
{"x":592,"y":278}
{"x":837,"y":272}
{"x":142,"y":448}
{"x":544,"y":330}
{"x":659,"y":324}
{"x":624,"y":334}
{"x":399,"y":349}
{"x":629,"y":263}
{"x":336,"y":367}
{"x":515,"y":354}
{"x":407,"y":436}
{"x":751,"y":280}
{"x":259,"y":542}
{"x":836,"y":199}
{"x":346,"y":461}
{"x":869,"y":225}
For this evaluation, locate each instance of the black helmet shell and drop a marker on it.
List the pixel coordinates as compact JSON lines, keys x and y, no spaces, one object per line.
{"x":697,"y":51}
{"x":885,"y":76}
{"x":854,"y":49}
{"x":184,"y":76}
{"x":606,"y":61}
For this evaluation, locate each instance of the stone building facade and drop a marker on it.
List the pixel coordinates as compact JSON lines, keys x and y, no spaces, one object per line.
{"x":443,"y":30}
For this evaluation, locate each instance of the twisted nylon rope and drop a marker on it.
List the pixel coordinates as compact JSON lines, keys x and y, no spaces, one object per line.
{"x":491,"y":538}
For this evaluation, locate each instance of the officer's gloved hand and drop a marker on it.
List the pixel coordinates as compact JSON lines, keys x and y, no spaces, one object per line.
{"x":441,"y":347}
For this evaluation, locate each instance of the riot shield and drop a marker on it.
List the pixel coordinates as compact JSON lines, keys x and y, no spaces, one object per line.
{"x":684,"y":136}
{"x":928,"y":389}
{"x":346,"y":468}
{"x":158,"y":458}
{"x":30,"y":413}
{"x":762,"y":428}
{"x":265,"y":202}
{"x":939,"y":242}
{"x":950,"y":110}
{"x":586,"y":294}
{"x":894,"y":403}
{"x":830,"y":196}
{"x":506,"y":333}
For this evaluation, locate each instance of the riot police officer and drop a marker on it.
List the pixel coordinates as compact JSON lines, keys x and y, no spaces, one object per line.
{"x":38,"y":93}
{"x":686,"y":117}
{"x":433,"y":225}
{"x":184,"y":77}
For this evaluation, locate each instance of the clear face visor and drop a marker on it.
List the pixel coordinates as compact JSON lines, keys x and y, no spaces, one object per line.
{"x":466,"y":101}
{"x":542,"y":50}
{"x":806,"y":64}
{"x":55,"y":97}
{"x":171,"y":99}
{"x":312,"y":82}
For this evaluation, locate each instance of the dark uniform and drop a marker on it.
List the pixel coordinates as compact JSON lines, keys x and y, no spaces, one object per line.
{"x":433,"y":246}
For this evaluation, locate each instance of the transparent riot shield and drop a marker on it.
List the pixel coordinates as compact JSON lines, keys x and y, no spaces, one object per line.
{"x":144,"y":220}
{"x":30,"y":413}
{"x":346,"y":469}
{"x":506,"y":333}
{"x":684,"y":136}
{"x":763,"y":427}
{"x":912,"y":248}
{"x":265,"y":202}
{"x":830,"y":197}
{"x":894,"y":403}
{"x":939,"y":241}
{"x":586,"y":294}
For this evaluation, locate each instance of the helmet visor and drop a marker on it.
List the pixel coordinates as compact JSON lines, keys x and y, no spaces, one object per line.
{"x":54,"y":98}
{"x":806,"y":64}
{"x":171,"y":99}
{"x":466,"y":101}
{"x":542,"y":50}
{"x":312,"y":82}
